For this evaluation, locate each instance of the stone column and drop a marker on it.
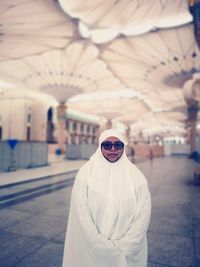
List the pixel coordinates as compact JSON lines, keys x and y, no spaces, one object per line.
{"x":109,"y":124}
{"x":140,"y":137}
{"x":61,"y":132}
{"x":128,"y":130}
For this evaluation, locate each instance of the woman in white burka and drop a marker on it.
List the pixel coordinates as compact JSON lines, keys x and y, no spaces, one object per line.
{"x":110,"y":210}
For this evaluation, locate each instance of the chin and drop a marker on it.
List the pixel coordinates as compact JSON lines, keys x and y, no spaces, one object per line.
{"x":112,"y":160}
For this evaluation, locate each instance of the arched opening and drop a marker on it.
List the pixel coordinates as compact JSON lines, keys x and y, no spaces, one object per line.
{"x":50,"y":126}
{"x":28,"y":133}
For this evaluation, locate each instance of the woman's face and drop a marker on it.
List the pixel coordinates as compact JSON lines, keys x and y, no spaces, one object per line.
{"x":113,"y":154}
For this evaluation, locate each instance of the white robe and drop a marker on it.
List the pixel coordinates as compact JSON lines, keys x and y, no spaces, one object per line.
{"x":109,"y":215}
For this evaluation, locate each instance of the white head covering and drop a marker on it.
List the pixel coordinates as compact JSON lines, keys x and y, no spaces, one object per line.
{"x":115,"y":178}
{"x":112,"y":132}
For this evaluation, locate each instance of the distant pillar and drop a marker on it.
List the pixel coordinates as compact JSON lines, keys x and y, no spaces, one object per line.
{"x":61,"y":132}
{"x":140,"y":137}
{"x":97,"y":134}
{"x":109,"y":124}
{"x":193,"y":108}
{"x":128,"y":130}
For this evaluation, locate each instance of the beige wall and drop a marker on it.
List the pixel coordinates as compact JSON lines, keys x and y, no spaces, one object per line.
{"x":14,"y":114}
{"x":39,"y":121}
{"x":14,"y":118}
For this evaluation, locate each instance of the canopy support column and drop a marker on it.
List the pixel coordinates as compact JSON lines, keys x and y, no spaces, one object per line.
{"x":61,"y":132}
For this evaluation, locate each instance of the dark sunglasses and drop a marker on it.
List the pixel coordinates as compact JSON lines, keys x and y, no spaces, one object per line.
{"x":107,"y":145}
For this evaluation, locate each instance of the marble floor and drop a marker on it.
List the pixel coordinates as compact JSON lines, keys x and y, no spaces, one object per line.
{"x":34,"y":216}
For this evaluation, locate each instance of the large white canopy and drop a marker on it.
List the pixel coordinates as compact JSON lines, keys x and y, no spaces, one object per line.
{"x":64,"y":48}
{"x":104,"y":20}
{"x":62,"y":73}
{"x":31,"y":27}
{"x":155,"y":61}
{"x":110,"y":106}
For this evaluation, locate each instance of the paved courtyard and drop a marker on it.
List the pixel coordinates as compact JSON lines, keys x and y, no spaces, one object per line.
{"x":33,"y":217}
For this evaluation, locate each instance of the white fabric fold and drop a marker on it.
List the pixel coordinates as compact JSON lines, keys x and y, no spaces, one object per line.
{"x":109,"y":214}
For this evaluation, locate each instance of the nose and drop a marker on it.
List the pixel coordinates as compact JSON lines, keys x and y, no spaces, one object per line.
{"x":113,"y":148}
